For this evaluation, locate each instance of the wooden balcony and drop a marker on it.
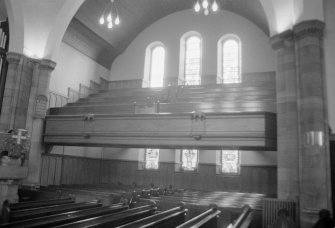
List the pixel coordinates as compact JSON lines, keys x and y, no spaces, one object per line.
{"x":240,"y":130}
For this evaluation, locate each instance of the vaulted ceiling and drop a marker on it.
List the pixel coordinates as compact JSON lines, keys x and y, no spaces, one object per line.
{"x":136,"y":15}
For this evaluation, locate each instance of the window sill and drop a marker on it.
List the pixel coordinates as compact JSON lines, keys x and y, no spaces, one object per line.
{"x":228,"y":174}
{"x":187,"y":171}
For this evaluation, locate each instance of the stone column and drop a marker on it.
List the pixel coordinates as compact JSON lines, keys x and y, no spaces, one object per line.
{"x":38,"y":108}
{"x":314,"y":164}
{"x":287,"y":117}
{"x":17,"y":90}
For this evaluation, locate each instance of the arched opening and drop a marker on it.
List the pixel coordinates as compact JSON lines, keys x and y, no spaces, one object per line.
{"x":190,"y":59}
{"x":229,"y":60}
{"x":154,"y":65}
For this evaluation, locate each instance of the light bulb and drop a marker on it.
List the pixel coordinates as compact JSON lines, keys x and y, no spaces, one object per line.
{"x":109,"y":17}
{"x":110,"y":25}
{"x":215,"y":6}
{"x":205,"y":4}
{"x":117,"y":20}
{"x":197,"y":7}
{"x":102,"y":20}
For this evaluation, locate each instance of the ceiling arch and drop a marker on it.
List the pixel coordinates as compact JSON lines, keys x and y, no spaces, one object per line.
{"x":136,"y":15}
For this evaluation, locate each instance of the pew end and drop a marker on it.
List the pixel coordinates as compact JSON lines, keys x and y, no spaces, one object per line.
{"x":245,"y":218}
{"x":5,"y":213}
{"x":207,"y":219}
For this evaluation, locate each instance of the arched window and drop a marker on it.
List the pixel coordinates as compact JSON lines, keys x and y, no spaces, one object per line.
{"x":154,"y":66}
{"x":229,"y":59}
{"x":190,"y":56}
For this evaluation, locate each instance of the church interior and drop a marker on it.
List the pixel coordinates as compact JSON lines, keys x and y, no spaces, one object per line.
{"x":166,"y":113}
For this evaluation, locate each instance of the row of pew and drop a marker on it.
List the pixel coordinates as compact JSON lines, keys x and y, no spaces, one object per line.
{"x":167,"y":197}
{"x":65,"y":212}
{"x":215,"y":98}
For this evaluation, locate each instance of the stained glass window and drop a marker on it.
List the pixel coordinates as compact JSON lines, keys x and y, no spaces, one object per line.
{"x":189,"y":160}
{"x":230,"y":161}
{"x":157,"y":66}
{"x":231,"y":61}
{"x":192,"y":61}
{"x":151,"y":158}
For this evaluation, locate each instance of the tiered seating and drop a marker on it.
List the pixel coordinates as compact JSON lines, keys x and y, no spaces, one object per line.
{"x":134,"y":118}
{"x":213,"y":98}
{"x":116,"y":101}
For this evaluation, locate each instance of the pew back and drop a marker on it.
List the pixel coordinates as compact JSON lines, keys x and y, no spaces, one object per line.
{"x":40,"y":203}
{"x":244,"y":220}
{"x":207,"y":219}
{"x":116,"y":219}
{"x":67,"y":217}
{"x":169,"y":218}
{"x":50,"y":210}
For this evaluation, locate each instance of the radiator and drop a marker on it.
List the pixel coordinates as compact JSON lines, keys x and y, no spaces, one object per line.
{"x":271,"y":207}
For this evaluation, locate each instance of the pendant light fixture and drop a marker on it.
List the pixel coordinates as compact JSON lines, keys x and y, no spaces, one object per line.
{"x":110,"y":15}
{"x":206,"y":7}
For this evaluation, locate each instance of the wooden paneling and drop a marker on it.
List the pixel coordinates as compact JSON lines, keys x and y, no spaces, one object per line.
{"x":58,"y":170}
{"x":75,"y":170}
{"x":122,"y":84}
{"x":247,"y":130}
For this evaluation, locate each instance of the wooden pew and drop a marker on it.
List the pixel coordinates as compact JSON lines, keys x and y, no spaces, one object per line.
{"x":116,"y":219}
{"x":39,"y":203}
{"x":245,"y":218}
{"x":155,"y":192}
{"x":19,"y":215}
{"x":85,"y":193}
{"x":168,"y":218}
{"x":10,"y":209}
{"x":222,"y":199}
{"x":207,"y":219}
{"x":68,"y":217}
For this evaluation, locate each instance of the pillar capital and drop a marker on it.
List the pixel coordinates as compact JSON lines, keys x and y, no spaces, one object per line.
{"x":282,"y":40}
{"x":13,"y":57}
{"x":47,"y":64}
{"x":309,"y":28}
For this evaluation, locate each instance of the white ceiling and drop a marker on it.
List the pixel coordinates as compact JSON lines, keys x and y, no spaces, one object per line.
{"x":136,"y":15}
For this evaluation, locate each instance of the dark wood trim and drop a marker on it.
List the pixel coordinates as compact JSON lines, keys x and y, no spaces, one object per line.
{"x":79,"y":170}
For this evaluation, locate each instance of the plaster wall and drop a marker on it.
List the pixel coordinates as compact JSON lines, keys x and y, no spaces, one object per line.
{"x":257,"y":54}
{"x":74,"y":68}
